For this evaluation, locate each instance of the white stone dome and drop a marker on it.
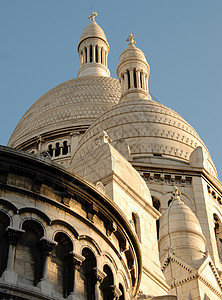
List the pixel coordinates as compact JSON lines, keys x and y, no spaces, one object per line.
{"x":77,"y":102}
{"x":147,"y":128}
{"x":181,"y":232}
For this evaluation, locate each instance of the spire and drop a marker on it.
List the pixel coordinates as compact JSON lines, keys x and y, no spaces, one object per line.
{"x":133,"y":72}
{"x":93,"y":50}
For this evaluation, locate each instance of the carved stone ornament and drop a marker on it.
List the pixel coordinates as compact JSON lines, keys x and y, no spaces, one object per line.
{"x":116,"y":292}
{"x":77,"y":259}
{"x":46,"y":246}
{"x":100,"y":275}
{"x":13,"y":235}
{"x":111,"y":227}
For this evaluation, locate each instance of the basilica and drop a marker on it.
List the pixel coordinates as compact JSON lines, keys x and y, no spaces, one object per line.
{"x":106,"y":194}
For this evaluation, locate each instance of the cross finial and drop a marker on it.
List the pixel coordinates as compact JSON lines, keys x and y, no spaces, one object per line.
{"x":93,"y":15}
{"x":131,"y":39}
{"x":176,"y":194}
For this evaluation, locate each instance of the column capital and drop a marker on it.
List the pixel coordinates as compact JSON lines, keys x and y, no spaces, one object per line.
{"x":77,"y":259}
{"x":99,"y":275}
{"x":46,"y":246}
{"x":13,"y":235}
{"x":115,"y":292}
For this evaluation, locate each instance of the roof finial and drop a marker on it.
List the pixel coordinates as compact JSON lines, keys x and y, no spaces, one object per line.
{"x":93,"y":15}
{"x":175,"y":193}
{"x":131,"y":39}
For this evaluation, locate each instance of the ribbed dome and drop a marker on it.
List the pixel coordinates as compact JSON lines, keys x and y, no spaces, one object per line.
{"x":148,"y":128}
{"x":93,"y":30}
{"x":75,"y":102}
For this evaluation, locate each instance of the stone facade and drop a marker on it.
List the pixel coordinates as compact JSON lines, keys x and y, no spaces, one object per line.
{"x":108,"y":194}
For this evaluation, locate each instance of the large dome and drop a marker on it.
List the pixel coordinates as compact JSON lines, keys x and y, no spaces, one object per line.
{"x":147,"y":128}
{"x":73,"y":103}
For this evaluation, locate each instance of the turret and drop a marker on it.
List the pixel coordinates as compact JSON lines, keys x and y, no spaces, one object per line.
{"x":93,"y":50}
{"x":133,"y":72}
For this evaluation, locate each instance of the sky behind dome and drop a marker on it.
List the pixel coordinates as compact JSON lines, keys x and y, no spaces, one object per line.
{"x":181,"y":40}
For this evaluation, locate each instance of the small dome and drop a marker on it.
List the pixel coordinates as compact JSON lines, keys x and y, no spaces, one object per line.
{"x":180,"y":230}
{"x":132,"y":52}
{"x":93,"y":30}
{"x":77,"y":102}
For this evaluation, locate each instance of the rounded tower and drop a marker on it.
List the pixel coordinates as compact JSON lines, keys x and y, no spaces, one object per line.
{"x":133,"y":72}
{"x":93,"y":50}
{"x":180,"y":232}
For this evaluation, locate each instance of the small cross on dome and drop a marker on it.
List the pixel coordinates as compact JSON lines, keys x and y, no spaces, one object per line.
{"x":93,"y":15}
{"x":131,"y":39}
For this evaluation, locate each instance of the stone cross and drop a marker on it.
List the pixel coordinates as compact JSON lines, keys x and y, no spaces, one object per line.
{"x":131,"y":39}
{"x":93,"y":15}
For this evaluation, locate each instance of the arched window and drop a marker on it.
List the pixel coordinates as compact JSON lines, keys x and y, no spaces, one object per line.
{"x":57,"y":150}
{"x":86,"y":54}
{"x":65,"y":148}
{"x":156,"y":204}
{"x":50,"y":151}
{"x":107,"y":284}
{"x":61,"y":268}
{"x":218,"y":234}
{"x":4,"y":223}
{"x":136,"y":222}
{"x":88,"y":273}
{"x":122,"y":297}
{"x":27,"y":257}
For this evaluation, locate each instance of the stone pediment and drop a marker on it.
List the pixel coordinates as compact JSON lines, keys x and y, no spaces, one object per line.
{"x":206,"y":273}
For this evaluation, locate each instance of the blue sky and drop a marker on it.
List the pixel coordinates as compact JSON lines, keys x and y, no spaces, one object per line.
{"x":182,"y":42}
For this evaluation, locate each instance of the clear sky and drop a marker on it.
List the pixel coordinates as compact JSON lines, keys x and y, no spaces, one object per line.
{"x":182,"y":42}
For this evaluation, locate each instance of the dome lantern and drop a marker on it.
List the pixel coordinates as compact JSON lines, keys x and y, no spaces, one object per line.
{"x":133,"y":72}
{"x":93,"y":50}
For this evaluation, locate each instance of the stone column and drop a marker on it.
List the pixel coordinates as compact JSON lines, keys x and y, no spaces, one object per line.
{"x":99,"y":276}
{"x":131,"y":79}
{"x":13,"y":236}
{"x":143,"y":81}
{"x":122,"y":84}
{"x":77,"y":261}
{"x":138,"y":79}
{"x":81,"y":58}
{"x":106,"y":57}
{"x":99,"y":54}
{"x":93,"y":53}
{"x":103,"y":56}
{"x":88,"y":54}
{"x":84,"y":55}
{"x":45,"y":248}
{"x":126,"y":80}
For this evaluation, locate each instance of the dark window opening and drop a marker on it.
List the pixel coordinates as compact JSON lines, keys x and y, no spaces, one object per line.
{"x":107,"y":284}
{"x":156,"y":204}
{"x":4,"y":223}
{"x":50,"y":150}
{"x":122,"y":297}
{"x":128,"y":76}
{"x":90,"y":53}
{"x":96,"y":53}
{"x":134,"y":78}
{"x":86,"y":54}
{"x":57,"y":150}
{"x":65,"y":148}
{"x":88,"y":273}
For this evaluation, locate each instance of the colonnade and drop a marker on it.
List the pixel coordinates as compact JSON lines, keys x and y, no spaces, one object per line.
{"x":134,"y":78}
{"x":93,"y":54}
